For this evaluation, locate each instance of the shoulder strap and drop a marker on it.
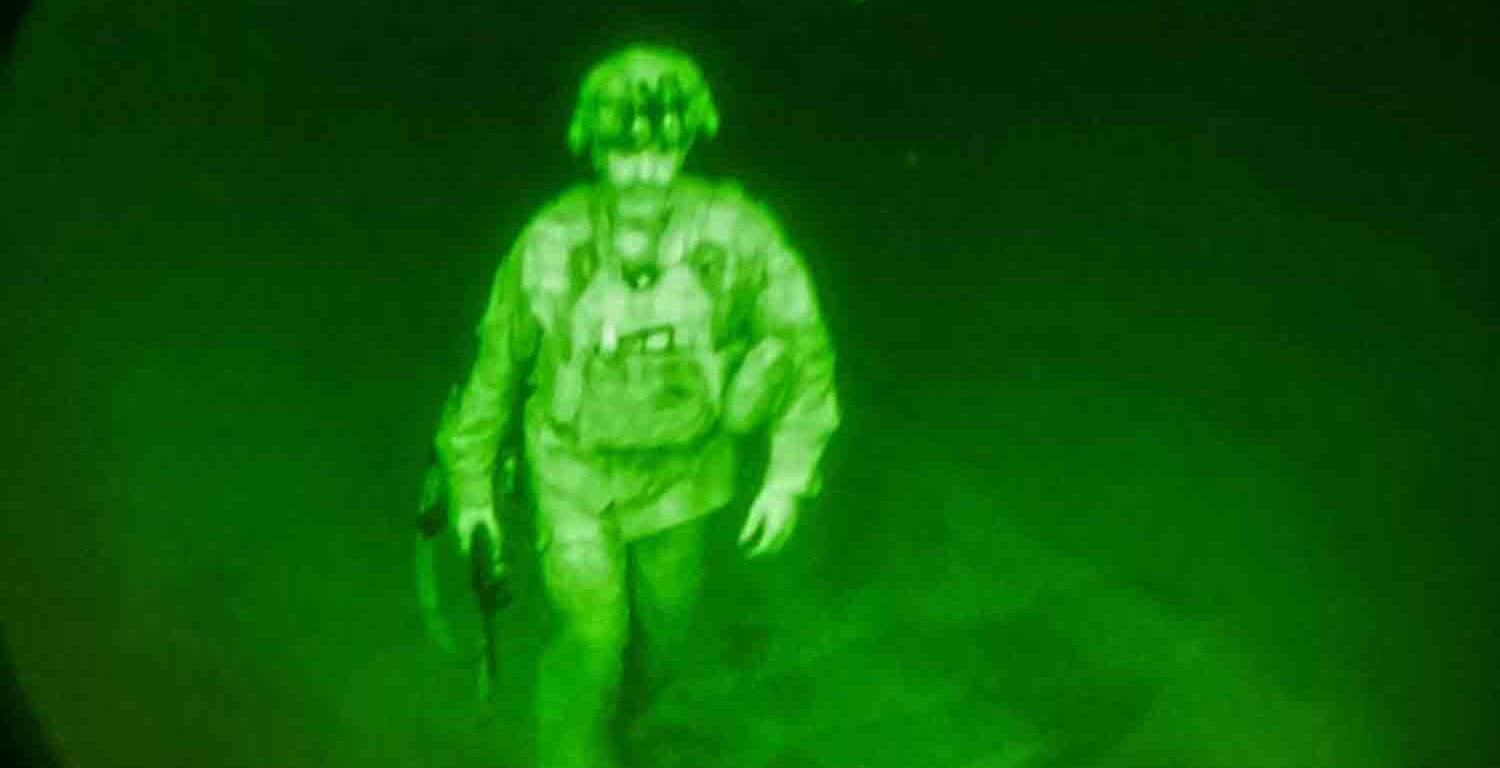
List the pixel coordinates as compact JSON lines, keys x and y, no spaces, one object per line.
{"x":581,"y":262}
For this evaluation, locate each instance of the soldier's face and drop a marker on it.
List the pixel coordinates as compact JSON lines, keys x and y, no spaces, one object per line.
{"x":649,"y":168}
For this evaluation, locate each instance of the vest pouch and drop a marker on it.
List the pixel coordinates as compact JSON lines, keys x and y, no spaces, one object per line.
{"x":644,"y":399}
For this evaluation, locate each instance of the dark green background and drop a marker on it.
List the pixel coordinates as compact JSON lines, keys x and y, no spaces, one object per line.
{"x":1165,"y":348}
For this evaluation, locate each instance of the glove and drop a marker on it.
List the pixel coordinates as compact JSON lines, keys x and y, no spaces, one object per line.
{"x":470,"y":520}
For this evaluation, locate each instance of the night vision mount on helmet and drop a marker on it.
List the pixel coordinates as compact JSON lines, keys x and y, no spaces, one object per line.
{"x":643,"y":97}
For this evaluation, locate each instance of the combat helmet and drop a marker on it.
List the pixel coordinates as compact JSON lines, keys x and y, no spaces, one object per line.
{"x":641,"y":97}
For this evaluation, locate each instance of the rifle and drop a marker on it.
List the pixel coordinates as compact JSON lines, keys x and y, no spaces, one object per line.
{"x":493,"y":593}
{"x":486,"y":576}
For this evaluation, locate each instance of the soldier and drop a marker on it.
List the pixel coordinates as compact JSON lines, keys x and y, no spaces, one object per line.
{"x":642,"y":325}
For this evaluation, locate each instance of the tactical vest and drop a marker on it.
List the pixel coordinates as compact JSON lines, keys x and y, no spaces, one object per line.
{"x":644,"y":367}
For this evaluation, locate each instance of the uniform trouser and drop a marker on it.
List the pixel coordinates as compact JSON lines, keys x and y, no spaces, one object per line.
{"x":599,"y":585}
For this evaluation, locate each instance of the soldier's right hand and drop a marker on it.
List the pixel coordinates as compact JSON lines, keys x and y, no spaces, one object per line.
{"x":469,"y":520}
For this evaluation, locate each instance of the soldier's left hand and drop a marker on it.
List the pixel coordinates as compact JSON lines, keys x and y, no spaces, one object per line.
{"x":772,"y":518}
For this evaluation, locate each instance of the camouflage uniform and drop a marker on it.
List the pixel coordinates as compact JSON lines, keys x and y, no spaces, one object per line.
{"x":634,"y":395}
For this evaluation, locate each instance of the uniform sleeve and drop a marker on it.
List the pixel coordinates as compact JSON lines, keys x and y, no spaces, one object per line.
{"x":483,"y":410}
{"x":787,"y":309}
